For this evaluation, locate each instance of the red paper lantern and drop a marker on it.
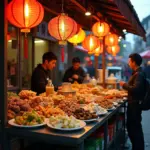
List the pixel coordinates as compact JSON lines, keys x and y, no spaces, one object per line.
{"x":100,"y":29}
{"x":25,"y":14}
{"x":90,"y":43}
{"x":111,"y":39}
{"x":113,"y":50}
{"x":62,"y":27}
{"x":98,"y":50}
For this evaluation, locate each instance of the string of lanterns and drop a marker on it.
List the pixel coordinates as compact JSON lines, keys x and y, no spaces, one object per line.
{"x":26,"y":14}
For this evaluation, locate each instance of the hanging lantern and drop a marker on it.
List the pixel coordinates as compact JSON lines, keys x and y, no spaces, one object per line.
{"x":98,"y":50}
{"x":78,"y":38}
{"x":25,"y":14}
{"x":113,"y":50}
{"x":62,"y":27}
{"x":90,"y":43}
{"x":111,"y":39}
{"x":100,"y":29}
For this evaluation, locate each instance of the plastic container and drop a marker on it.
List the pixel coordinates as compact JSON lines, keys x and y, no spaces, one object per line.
{"x":49,"y":88}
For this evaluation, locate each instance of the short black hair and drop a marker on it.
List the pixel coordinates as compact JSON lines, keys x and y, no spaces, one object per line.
{"x":76,"y":60}
{"x":49,"y":56}
{"x":136,"y":58}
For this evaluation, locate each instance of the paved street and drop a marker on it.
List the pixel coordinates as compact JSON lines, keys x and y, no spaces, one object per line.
{"x":146,"y":128}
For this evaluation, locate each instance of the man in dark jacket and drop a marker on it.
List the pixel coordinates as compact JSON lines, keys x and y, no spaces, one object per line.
{"x":74,"y":73}
{"x":136,"y":92}
{"x":41,"y":73}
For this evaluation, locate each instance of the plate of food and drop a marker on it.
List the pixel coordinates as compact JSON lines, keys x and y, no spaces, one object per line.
{"x":85,"y":115}
{"x":28,"y":120}
{"x":111,"y":109}
{"x":90,"y":120}
{"x":102,"y":113}
{"x":65,"y":123}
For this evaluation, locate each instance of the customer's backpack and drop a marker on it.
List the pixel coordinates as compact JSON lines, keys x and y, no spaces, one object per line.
{"x":145,"y":103}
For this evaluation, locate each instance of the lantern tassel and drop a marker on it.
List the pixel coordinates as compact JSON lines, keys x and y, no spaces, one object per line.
{"x":25,"y":47}
{"x":62,"y":54}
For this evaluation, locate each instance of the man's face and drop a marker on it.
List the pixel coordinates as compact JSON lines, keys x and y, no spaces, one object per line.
{"x":76,"y":66}
{"x":51,"y":64}
{"x":131,"y":63}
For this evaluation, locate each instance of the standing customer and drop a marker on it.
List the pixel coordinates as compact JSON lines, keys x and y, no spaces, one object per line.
{"x":136,"y":92}
{"x":41,"y":73}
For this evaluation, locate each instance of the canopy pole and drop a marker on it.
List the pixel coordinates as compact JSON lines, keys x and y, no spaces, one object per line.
{"x":104,"y":63}
{"x":96,"y":66}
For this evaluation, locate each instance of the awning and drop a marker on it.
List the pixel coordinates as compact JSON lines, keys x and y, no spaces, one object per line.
{"x":120,"y":14}
{"x":145,"y":54}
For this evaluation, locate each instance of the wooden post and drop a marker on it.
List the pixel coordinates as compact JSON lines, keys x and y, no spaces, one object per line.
{"x":104,"y":63}
{"x":3,"y":74}
{"x":3,"y":63}
{"x":96,"y":66}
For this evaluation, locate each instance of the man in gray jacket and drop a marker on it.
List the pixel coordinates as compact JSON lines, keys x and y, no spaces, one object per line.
{"x":136,"y":93}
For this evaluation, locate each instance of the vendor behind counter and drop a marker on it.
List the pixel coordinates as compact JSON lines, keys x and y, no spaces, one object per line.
{"x":74,"y":73}
{"x":41,"y":73}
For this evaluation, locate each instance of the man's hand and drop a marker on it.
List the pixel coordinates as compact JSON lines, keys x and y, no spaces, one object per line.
{"x":122,"y":83}
{"x":75,"y":76}
{"x":70,"y":80}
{"x":60,"y":88}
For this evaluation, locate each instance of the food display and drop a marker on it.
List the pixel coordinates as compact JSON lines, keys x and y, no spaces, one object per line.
{"x":57,"y":99}
{"x":29,"y":119}
{"x":68,"y":107}
{"x":49,"y":111}
{"x":17,"y":106}
{"x":104,"y":103}
{"x":39,"y":100}
{"x":93,"y":107}
{"x":64,"y":122}
{"x":11,"y":96}
{"x":26,"y":94}
{"x":84,"y":98}
{"x":64,"y":112}
{"x":84,"y":114}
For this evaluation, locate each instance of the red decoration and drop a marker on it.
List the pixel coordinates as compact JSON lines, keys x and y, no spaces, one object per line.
{"x":8,"y":37}
{"x":113,"y":50}
{"x":90,"y":43}
{"x":100,"y":29}
{"x":25,"y":14}
{"x":25,"y":48}
{"x":111,"y":39}
{"x":62,"y":27}
{"x":62,"y":54}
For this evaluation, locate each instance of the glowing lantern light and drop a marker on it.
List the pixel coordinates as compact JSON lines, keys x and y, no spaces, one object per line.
{"x":111,"y":39}
{"x":62,"y":27}
{"x":90,"y":43}
{"x":98,"y":50}
{"x":25,"y":14}
{"x":78,"y":38}
{"x":113,"y":50}
{"x":100,"y":29}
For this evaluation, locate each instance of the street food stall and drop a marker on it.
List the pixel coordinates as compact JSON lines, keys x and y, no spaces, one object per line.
{"x":92,"y":117}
